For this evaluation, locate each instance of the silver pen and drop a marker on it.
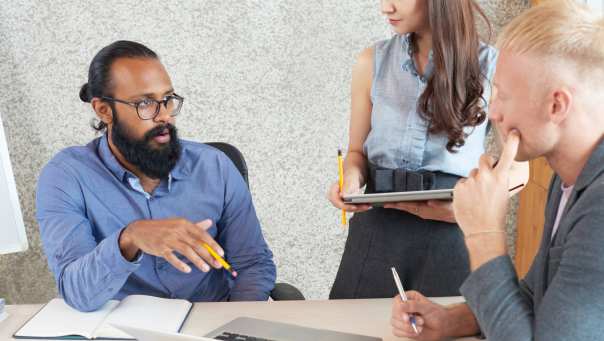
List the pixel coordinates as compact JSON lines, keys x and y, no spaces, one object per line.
{"x":401,"y":291}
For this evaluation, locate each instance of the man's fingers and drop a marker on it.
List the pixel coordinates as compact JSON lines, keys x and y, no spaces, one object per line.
{"x":198,"y":230}
{"x":510,"y":149}
{"x":177,"y":263}
{"x":212,"y":244}
{"x":519,"y":174}
{"x":410,"y":307}
{"x":203,"y":236}
{"x":403,"y":325}
{"x":194,"y":257}
{"x":401,"y":328}
{"x":205,"y":254}
{"x":200,"y":250}
{"x":196,"y":241}
{"x":414,"y":307}
{"x":204,"y":224}
{"x":486,"y":163}
{"x":401,"y":320}
{"x":415,"y":295}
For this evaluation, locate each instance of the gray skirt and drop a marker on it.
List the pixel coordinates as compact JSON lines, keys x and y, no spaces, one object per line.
{"x":430,"y":256}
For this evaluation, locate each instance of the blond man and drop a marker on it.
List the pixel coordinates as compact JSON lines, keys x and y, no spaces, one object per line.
{"x":549,"y":91}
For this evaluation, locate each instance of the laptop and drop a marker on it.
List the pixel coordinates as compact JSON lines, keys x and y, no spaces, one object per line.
{"x":250,"y":329}
{"x":153,"y":335}
{"x":246,"y":328}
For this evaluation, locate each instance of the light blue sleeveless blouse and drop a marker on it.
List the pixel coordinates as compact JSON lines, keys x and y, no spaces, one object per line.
{"x":399,"y":137}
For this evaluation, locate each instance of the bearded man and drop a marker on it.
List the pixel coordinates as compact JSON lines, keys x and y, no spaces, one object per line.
{"x":130,"y":212}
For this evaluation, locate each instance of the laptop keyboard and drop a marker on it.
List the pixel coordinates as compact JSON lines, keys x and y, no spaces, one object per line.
{"x":238,"y":337}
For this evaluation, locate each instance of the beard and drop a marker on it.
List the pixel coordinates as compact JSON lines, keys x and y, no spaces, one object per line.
{"x":154,"y":162}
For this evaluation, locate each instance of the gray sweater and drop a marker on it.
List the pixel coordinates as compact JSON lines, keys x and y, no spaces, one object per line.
{"x":562,"y":296}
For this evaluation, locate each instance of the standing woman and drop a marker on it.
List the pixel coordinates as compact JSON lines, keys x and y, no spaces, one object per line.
{"x":418,"y":121}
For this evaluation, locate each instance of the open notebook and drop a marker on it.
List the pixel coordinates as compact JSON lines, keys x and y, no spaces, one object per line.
{"x":57,"y":320}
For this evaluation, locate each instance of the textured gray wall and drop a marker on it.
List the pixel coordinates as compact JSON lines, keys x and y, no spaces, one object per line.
{"x":269,"y":76}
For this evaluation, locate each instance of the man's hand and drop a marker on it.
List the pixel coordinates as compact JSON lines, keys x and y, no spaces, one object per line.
{"x":480,"y":203}
{"x":430,"y":318}
{"x":162,"y":238}
{"x":433,"y":321}
{"x":519,"y":176}
{"x":432,"y":209}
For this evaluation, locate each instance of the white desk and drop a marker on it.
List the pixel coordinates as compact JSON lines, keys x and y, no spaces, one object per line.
{"x":367,"y":317}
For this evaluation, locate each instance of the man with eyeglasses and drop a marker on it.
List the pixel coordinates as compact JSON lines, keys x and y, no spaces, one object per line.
{"x":130,"y":212}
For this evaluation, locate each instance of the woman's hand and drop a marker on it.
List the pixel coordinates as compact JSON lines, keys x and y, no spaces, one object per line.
{"x":351,"y":186}
{"x":431,"y":210}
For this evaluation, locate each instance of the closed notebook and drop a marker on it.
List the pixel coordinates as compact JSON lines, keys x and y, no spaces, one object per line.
{"x":57,"y":320}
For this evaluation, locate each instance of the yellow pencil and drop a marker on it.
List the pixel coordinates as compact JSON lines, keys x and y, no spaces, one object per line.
{"x":220,"y":260}
{"x":341,"y":181}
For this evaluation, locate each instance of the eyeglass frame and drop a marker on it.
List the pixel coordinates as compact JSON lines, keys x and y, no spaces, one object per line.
{"x":159,"y":103}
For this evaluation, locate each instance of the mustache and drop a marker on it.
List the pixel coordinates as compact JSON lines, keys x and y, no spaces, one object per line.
{"x":159,"y":130}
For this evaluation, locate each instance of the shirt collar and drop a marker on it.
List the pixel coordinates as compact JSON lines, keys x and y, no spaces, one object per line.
{"x":409,"y":65}
{"x":182,"y":169}
{"x":593,"y":168}
{"x":110,"y":161}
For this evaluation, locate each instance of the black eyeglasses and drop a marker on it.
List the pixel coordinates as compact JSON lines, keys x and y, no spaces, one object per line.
{"x":148,"y":108}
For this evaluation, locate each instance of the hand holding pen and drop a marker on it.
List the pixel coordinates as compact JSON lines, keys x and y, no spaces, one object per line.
{"x":401,"y":291}
{"x":416,"y":317}
{"x":220,"y":260}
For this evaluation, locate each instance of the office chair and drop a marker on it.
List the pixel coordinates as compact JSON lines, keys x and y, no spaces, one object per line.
{"x":282,"y":291}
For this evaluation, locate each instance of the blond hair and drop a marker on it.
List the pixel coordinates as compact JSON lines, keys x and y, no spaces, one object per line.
{"x":562,"y":31}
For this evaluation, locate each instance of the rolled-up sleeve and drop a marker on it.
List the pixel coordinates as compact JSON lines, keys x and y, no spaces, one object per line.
{"x":88,"y":274}
{"x":241,"y":238}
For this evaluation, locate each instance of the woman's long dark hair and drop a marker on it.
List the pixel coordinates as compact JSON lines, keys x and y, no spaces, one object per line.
{"x":453,"y":98}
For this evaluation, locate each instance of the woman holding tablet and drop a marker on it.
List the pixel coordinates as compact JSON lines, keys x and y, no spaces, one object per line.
{"x":418,"y":122}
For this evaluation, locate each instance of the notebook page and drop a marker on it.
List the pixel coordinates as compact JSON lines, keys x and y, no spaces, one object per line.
{"x":58,"y":319}
{"x":145,"y":312}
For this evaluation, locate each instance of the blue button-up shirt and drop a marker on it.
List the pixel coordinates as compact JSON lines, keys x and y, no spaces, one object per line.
{"x":85,"y":198}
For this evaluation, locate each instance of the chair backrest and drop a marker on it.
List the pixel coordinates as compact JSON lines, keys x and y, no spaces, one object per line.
{"x":282,"y":291}
{"x":235,"y":155}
